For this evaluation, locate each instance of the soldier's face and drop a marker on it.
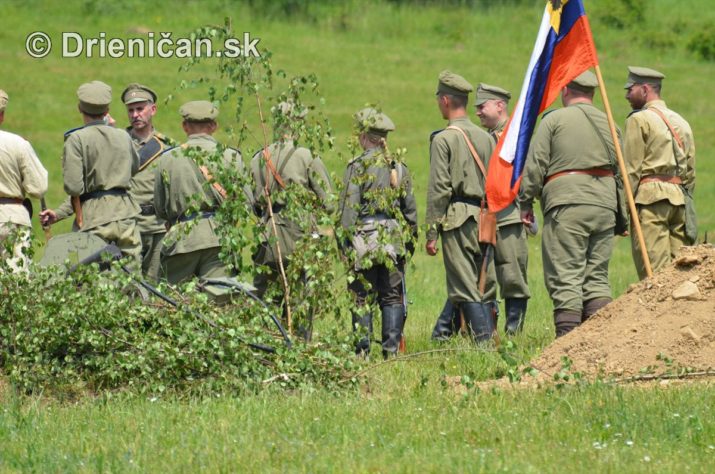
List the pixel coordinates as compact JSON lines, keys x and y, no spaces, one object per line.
{"x":489,"y":113}
{"x":140,"y":114}
{"x":636,"y":96}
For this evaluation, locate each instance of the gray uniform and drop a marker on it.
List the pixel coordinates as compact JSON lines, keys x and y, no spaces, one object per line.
{"x":579,"y":208}
{"x":98,"y":163}
{"x":191,"y":247}
{"x":296,"y":166}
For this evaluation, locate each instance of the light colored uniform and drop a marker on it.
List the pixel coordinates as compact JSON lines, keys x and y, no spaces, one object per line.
{"x":650,"y":150}
{"x":98,"y":163}
{"x":21,"y":175}
{"x":191,"y":247}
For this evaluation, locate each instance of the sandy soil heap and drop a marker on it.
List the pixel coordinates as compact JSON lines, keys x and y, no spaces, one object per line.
{"x":672,"y":313}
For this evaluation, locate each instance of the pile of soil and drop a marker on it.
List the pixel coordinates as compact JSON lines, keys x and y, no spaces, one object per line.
{"x":663,"y":324}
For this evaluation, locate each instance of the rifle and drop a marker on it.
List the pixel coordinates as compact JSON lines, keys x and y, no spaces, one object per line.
{"x":77,"y":207}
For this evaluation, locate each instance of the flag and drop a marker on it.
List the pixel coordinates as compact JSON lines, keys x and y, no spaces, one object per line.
{"x":564,"y":49}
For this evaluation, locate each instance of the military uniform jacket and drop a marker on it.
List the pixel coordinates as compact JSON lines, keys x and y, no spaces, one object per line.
{"x":98,"y":157}
{"x":650,"y":149}
{"x":21,"y":174}
{"x":295,"y":166}
{"x":142,"y":184}
{"x":510,"y":214}
{"x":366,"y":181}
{"x":183,"y":196}
{"x":566,"y":140}
{"x":454,"y":175}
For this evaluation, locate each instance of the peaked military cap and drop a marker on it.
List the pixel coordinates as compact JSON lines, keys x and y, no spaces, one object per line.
{"x":584,"y":82}
{"x":138,"y":93}
{"x":4,"y":99}
{"x":375,"y":122}
{"x":94,"y":97}
{"x":199,"y":111}
{"x":290,"y":109}
{"x":453,"y":84}
{"x":643,"y":75}
{"x":487,"y":92}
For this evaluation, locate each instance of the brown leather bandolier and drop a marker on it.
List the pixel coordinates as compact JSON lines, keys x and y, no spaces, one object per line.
{"x":600,"y":172}
{"x":661,"y":178}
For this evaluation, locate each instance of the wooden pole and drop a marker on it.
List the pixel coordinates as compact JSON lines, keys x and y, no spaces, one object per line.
{"x":626,"y":183}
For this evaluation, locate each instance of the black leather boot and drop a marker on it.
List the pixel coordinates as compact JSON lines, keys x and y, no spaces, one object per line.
{"x":591,"y":307}
{"x":363,"y":323}
{"x":392,"y":320}
{"x":515,"y":313}
{"x":565,"y":321}
{"x":447,"y":324}
{"x":479,"y":320}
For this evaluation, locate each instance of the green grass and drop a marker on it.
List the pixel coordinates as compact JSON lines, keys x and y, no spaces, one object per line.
{"x":366,"y":52}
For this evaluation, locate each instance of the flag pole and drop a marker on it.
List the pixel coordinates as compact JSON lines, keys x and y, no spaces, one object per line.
{"x":626,"y":183}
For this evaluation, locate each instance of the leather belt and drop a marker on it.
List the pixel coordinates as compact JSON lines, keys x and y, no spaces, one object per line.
{"x":473,"y":201}
{"x":601,"y":172}
{"x":102,"y":192}
{"x":4,"y":200}
{"x":661,"y":178}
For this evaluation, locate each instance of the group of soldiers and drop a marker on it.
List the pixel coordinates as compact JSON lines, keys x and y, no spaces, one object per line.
{"x":157,"y":202}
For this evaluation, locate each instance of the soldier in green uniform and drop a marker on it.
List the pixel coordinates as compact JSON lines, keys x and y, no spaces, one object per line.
{"x":290,"y":165}
{"x":659,"y":151}
{"x":21,"y":175}
{"x":570,"y":168}
{"x":98,"y":164}
{"x":454,"y":197}
{"x":187,"y":197}
{"x":376,"y":188}
{"x":511,"y":252}
{"x":149,"y":144}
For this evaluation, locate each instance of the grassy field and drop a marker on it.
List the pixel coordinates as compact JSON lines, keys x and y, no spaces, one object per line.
{"x":405,"y":419}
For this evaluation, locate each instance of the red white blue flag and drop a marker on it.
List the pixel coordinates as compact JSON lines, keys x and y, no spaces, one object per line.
{"x":564,"y":49}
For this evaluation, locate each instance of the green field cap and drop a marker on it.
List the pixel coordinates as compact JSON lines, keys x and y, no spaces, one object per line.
{"x":584,"y":82}
{"x":94,"y":97}
{"x":4,"y":99}
{"x":375,"y":122}
{"x":138,"y":93}
{"x":643,"y":75}
{"x":199,"y":111}
{"x":487,"y":92}
{"x":453,"y":84}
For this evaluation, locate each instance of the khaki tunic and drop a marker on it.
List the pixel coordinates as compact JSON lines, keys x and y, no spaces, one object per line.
{"x":366,"y":211}
{"x":151,"y":228}
{"x":21,"y":175}
{"x":579,"y":210}
{"x":650,"y":149}
{"x":455,"y":178}
{"x":190,"y":247}
{"x":98,"y":157}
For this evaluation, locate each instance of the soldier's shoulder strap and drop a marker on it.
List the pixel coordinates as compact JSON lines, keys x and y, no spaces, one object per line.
{"x":150,"y":151}
{"x":434,"y":134}
{"x":634,"y":112}
{"x":71,"y":131}
{"x":547,"y":113}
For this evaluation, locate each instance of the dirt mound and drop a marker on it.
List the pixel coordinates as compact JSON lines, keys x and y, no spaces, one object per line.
{"x":663,"y":324}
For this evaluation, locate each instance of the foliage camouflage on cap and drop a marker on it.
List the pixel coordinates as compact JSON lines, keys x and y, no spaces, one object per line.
{"x":374,"y":121}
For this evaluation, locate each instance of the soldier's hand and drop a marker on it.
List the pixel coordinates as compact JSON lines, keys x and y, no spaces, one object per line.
{"x":431,"y":247}
{"x":527,"y":216}
{"x":48,"y":217}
